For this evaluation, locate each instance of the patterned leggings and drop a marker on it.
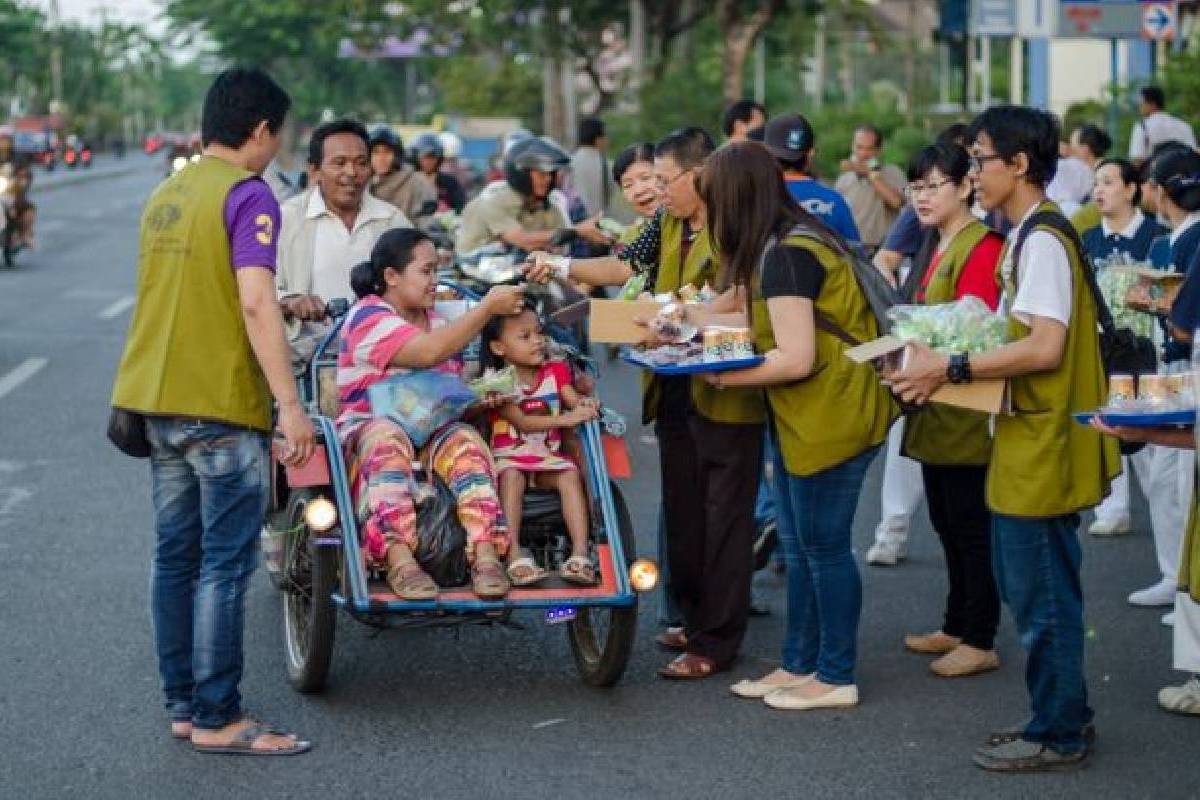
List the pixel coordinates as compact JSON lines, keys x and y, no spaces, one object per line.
{"x":381,"y":465}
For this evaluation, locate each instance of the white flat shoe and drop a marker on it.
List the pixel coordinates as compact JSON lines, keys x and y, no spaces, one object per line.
{"x":757,"y":690}
{"x":790,"y":700}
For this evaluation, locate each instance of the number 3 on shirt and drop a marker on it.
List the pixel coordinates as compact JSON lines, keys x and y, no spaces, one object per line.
{"x":266,"y":229}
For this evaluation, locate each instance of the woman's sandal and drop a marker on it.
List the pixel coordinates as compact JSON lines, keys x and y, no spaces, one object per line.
{"x":181,"y":729}
{"x":524,"y":571}
{"x":487,"y":579}
{"x":243,"y":743}
{"x":689,"y":666}
{"x":578,"y":571}
{"x":410,"y":582}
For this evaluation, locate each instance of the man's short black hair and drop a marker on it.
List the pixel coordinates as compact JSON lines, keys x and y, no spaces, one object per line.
{"x":316,"y":144}
{"x":590,"y":129}
{"x":238,"y":100}
{"x":871,"y":129}
{"x":1018,"y":129}
{"x":741,"y":111}
{"x":1096,"y":139}
{"x":689,"y":146}
{"x":1155,"y":96}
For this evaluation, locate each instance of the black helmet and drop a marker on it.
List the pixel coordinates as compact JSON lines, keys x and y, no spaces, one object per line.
{"x":428,"y":144}
{"x":538,"y":153}
{"x":385,"y":135}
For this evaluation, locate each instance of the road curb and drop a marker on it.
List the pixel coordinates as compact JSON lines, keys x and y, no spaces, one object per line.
{"x":87,"y":177}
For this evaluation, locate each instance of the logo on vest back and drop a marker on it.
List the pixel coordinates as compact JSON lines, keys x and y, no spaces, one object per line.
{"x":163,"y":217}
{"x":266,"y":229}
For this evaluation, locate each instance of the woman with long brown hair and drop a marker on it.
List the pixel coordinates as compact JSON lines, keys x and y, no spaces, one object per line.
{"x":829,"y":414}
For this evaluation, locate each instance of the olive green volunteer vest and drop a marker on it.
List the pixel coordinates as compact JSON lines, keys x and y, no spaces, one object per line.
{"x":187,"y":353}
{"x":734,"y":406}
{"x":1044,"y":464}
{"x":1189,"y":563}
{"x":941,"y":434}
{"x":840,"y":409}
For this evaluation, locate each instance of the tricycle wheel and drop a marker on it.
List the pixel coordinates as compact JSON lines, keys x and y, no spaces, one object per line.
{"x":602,"y":638}
{"x":310,"y":574}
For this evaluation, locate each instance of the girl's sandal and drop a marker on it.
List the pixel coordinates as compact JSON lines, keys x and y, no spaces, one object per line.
{"x":578,"y":571}
{"x":524,"y":571}
{"x":487,"y":579}
{"x":410,"y":582}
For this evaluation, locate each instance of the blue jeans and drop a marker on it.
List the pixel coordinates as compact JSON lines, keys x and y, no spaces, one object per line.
{"x":210,"y":484}
{"x":1037,"y":562}
{"x":824,"y":591}
{"x":764,"y":503}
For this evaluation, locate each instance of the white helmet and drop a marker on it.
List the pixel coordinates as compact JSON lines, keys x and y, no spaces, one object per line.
{"x":512,"y":137}
{"x":451,"y":144}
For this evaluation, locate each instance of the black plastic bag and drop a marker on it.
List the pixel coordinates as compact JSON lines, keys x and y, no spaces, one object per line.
{"x":127,"y":430}
{"x":441,"y":538}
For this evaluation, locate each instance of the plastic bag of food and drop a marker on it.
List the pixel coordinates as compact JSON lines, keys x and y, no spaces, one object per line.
{"x":1118,"y":281}
{"x":966,"y":325}
{"x":496,"y":381}
{"x":632,"y":288}
{"x":423,"y":402}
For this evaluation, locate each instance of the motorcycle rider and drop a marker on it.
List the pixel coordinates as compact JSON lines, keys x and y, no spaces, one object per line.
{"x":429,"y":155}
{"x":395,"y":181}
{"x":518,"y":211}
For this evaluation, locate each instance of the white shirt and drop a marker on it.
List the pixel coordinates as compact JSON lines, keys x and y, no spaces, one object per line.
{"x":1072,"y":185}
{"x":1131,"y":229}
{"x":335,"y":249}
{"x":1155,"y":129}
{"x":1043,"y":276}
{"x":1188,"y":221}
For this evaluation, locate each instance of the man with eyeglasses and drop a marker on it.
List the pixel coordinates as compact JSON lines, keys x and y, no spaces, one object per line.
{"x":1045,"y":469}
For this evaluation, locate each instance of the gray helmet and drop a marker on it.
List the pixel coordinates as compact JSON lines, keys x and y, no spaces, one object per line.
{"x":541,"y":154}
{"x":428,"y":144}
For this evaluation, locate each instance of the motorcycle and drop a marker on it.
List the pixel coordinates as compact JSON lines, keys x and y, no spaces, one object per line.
{"x":85,"y":157}
{"x":71,"y":157}
{"x":16,"y":214}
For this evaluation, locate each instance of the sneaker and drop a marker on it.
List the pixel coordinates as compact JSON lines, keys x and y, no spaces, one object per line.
{"x":1168,"y":619}
{"x":1015,"y":732}
{"x":886,"y":554}
{"x":965,"y":660}
{"x":1159,"y":594}
{"x":1023,"y":756}
{"x":1111,"y":527}
{"x":1183,"y":699}
{"x":935,"y":643}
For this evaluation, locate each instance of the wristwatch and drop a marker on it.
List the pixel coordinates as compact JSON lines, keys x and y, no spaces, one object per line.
{"x":958,"y":370}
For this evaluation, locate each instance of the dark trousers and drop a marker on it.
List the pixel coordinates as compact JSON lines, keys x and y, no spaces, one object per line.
{"x":958,"y":510}
{"x":710,"y":476}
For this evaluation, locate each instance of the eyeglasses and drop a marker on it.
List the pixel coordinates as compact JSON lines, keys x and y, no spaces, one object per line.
{"x":975,"y":163}
{"x":914,"y":189}
{"x":664,"y":184}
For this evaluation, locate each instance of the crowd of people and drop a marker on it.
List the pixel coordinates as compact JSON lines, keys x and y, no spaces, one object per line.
{"x":229,"y":281}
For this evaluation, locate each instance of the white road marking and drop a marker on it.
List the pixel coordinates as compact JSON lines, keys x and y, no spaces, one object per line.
{"x":49,"y":226}
{"x":94,"y":213}
{"x":117,"y":307}
{"x":92,"y":294}
{"x":21,"y":373}
{"x":548,"y":723}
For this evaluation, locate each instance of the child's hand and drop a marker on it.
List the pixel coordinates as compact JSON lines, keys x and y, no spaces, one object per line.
{"x":588,"y":402}
{"x":581,"y":414}
{"x":493,"y":400}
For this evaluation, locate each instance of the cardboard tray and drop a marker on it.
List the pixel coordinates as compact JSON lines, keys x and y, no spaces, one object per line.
{"x":989,"y":395}
{"x":612,"y":321}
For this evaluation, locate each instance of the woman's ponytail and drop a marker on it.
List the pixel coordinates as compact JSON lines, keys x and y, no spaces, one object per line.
{"x":365,"y":281}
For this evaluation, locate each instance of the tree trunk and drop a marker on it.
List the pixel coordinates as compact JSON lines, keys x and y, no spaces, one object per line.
{"x":739,"y":34}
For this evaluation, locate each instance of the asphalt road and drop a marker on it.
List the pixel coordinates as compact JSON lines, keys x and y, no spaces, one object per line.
{"x":480,"y":713}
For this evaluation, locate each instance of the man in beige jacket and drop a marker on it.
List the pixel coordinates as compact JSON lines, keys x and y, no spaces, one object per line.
{"x":328,"y":229}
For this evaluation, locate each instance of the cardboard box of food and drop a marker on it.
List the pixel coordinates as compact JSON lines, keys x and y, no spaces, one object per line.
{"x":989,"y":395}
{"x":612,"y":321}
{"x":1155,"y":290}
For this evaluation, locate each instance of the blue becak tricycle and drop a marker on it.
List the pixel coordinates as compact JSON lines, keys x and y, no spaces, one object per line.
{"x":312,"y":552}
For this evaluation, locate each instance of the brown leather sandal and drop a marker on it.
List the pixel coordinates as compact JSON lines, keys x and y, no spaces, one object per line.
{"x":689,"y":666}
{"x":488,"y":581}
{"x":410,"y":582}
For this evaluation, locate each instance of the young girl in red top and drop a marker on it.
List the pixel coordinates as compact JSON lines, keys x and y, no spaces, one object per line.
{"x":527,"y":442}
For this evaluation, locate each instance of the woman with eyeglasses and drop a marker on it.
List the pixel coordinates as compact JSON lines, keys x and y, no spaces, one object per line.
{"x":954,"y":445}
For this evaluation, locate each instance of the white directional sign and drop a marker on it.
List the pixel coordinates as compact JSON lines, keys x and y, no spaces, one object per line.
{"x":1158,"y":21}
